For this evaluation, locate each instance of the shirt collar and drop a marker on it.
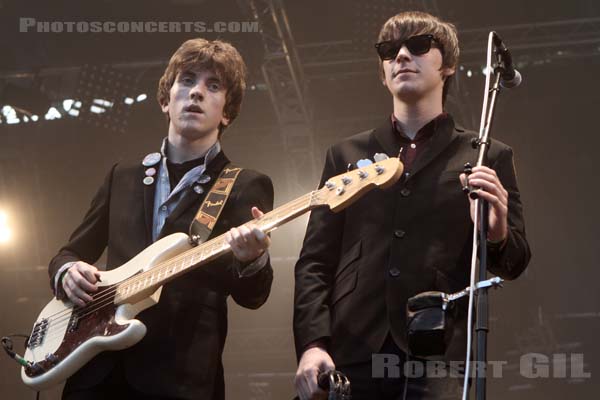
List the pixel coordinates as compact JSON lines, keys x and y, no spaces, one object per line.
{"x":209,"y":156}
{"x":426,"y":131}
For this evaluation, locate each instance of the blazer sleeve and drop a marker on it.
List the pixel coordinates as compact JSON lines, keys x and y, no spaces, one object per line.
{"x":510,"y":261}
{"x":90,"y":238}
{"x":251,"y":291}
{"x":315,"y":270}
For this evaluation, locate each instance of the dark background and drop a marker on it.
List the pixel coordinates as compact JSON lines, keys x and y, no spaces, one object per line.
{"x":50,"y":169}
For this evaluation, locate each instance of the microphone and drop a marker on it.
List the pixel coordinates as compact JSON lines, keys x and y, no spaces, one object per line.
{"x":510,"y":77}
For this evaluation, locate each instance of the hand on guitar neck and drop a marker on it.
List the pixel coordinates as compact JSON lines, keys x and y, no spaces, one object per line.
{"x":79,"y":281}
{"x":248,"y":242}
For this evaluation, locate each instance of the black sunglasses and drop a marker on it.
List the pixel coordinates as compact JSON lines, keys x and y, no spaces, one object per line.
{"x":417,"y":45}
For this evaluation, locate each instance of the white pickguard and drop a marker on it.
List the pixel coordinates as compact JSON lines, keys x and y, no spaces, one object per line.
{"x":58,"y":314}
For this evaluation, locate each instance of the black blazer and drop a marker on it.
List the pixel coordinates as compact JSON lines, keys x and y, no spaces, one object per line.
{"x":180,"y":355}
{"x":357,"y":268}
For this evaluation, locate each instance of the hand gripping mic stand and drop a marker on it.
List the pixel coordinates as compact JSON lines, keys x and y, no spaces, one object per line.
{"x":481,"y":219}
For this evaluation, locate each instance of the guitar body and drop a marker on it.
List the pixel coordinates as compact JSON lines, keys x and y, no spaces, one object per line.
{"x":65,"y":338}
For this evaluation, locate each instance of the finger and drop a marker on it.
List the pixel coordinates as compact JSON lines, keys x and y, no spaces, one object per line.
{"x":89,"y":272}
{"x":490,"y":198}
{"x":74,"y":293}
{"x":237,"y":235}
{"x":80,"y":281}
{"x":489,"y":187}
{"x":463,"y":179}
{"x":70,"y":294}
{"x":301,"y":386}
{"x":261,"y":237}
{"x":485,"y":175}
{"x":313,"y":385}
{"x":254,"y":238}
{"x":484,"y":169}
{"x":256,"y":213}
{"x":306,"y":383}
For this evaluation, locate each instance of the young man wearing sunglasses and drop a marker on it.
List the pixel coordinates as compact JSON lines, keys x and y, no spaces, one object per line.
{"x":358,"y":268}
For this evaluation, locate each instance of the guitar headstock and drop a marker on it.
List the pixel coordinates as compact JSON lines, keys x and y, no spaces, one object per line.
{"x":342,"y":190}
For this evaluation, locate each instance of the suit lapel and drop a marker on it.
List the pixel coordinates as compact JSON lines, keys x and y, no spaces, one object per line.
{"x":149,"y":191}
{"x":386,"y":138}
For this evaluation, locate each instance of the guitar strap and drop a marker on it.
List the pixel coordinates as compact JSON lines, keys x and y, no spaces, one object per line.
{"x":214,"y":202}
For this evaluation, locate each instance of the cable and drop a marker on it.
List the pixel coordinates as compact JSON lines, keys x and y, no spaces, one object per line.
{"x":7,"y":345}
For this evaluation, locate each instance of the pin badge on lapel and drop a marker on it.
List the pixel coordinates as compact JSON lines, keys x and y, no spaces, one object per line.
{"x":151,"y":172}
{"x":204,"y":179}
{"x":198,"y":189}
{"x":149,"y":161}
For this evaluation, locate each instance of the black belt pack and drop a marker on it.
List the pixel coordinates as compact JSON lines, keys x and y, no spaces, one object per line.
{"x":429,"y":324}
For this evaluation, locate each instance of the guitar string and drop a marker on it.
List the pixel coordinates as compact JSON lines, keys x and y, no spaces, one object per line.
{"x":144,"y":276}
{"x":106,"y":298}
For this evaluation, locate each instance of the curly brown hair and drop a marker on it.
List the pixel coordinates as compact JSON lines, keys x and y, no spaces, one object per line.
{"x":217,"y":56}
{"x":410,"y":23}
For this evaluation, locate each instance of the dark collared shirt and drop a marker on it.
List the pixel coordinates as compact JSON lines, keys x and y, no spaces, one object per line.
{"x":410,"y":149}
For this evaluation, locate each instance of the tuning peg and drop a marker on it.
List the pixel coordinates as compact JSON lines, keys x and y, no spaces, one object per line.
{"x":380,"y":157}
{"x":363,"y":162}
{"x":350,"y":167}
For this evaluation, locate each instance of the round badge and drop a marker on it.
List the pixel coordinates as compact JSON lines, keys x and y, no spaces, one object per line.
{"x":204,"y":179}
{"x":148,"y":180}
{"x":151,"y":159}
{"x":151,"y":172}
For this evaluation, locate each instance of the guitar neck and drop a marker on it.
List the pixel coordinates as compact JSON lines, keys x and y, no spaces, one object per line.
{"x":166,"y":271}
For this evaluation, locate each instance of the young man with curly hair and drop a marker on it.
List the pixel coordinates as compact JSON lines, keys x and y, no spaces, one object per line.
{"x":147,"y":198}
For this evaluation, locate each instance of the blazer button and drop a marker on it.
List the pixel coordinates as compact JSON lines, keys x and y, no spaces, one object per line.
{"x":394,"y":272}
{"x":405,"y":192}
{"x":399,"y":233}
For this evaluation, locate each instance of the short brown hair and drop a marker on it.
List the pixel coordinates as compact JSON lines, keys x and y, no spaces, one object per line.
{"x":410,"y":23}
{"x":217,"y":56}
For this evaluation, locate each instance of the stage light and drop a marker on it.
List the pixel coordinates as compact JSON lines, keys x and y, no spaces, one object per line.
{"x":10,"y":115}
{"x":128,"y":101}
{"x":103,"y":103}
{"x":52,"y":114}
{"x":141,"y":97}
{"x":5,"y":232}
{"x":34,"y":118}
{"x":8,"y":111}
{"x":67,"y":104}
{"x":469,"y":74}
{"x":97,"y":110}
{"x":73,"y":112}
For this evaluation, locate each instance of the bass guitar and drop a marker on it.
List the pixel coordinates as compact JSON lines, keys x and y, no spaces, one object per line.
{"x":65,"y":337}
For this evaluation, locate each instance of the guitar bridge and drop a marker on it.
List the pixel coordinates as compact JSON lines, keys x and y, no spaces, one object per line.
{"x":38,"y":334}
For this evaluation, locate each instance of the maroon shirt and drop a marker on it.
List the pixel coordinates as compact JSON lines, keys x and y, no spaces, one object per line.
{"x":410,"y":149}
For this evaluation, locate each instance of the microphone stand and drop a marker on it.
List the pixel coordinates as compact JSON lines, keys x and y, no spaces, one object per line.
{"x":482,"y":210}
